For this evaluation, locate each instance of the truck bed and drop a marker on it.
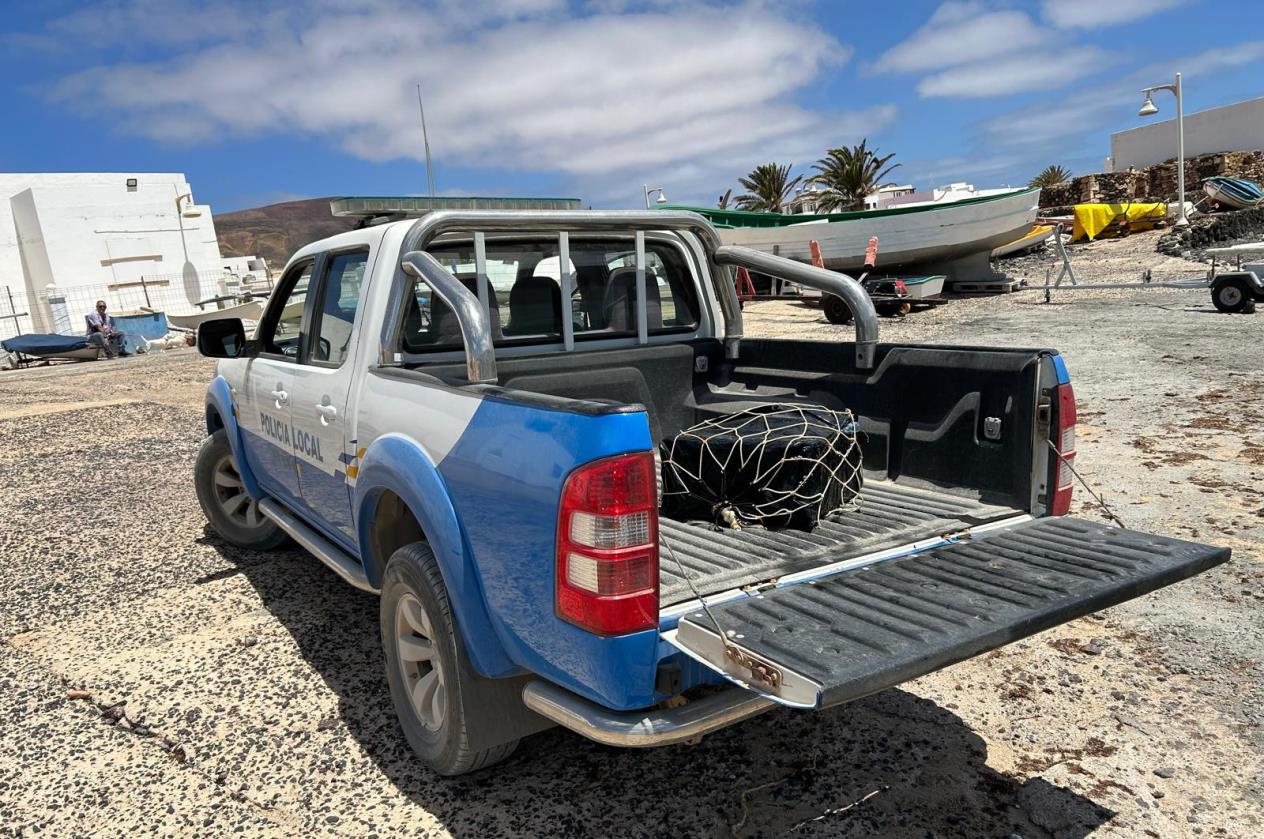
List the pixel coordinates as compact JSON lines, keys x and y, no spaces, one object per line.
{"x":889,"y":514}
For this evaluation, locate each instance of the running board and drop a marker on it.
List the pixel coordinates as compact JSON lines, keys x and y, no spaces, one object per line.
{"x":338,"y":560}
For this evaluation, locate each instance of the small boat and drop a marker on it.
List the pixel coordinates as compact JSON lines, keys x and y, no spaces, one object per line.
{"x":1038,"y":235}
{"x":1238,"y":193}
{"x":955,"y":239}
{"x":921,"y":288}
{"x":244,"y":311}
{"x":27,"y":349}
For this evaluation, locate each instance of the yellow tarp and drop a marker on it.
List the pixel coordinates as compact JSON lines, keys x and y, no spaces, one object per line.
{"x":1092,"y":219}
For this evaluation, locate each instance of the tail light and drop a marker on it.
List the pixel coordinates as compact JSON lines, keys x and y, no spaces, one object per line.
{"x":1064,"y":442}
{"x":900,"y":287}
{"x":607,"y":546}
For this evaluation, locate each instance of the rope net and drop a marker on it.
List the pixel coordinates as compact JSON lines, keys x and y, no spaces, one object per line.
{"x":775,"y":466}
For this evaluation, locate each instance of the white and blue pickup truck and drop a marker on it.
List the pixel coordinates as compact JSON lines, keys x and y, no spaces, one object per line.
{"x":461,"y":413}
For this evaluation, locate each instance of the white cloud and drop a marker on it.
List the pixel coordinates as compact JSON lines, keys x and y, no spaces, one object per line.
{"x":603,"y":98}
{"x":1092,"y":111}
{"x":1092,"y":14}
{"x":1011,"y":74}
{"x":960,"y":33}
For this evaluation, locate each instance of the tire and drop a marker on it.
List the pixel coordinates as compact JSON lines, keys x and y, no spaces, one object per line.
{"x":416,"y":619}
{"x":836,"y":310}
{"x":1231,"y":296}
{"x":235,"y":515}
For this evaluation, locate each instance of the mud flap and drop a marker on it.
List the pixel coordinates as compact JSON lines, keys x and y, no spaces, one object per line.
{"x":823,"y":642}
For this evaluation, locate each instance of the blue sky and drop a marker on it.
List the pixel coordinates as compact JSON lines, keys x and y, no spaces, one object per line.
{"x":259,"y":103}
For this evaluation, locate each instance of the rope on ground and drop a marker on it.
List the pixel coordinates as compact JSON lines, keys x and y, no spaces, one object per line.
{"x":1106,"y":510}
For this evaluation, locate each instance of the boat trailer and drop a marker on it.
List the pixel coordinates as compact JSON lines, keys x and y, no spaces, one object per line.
{"x":1235,"y":291}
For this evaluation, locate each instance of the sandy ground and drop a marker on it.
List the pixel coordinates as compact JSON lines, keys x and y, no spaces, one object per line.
{"x":154,"y":681}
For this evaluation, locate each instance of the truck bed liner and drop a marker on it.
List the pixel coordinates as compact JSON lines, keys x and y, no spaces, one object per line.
{"x":889,"y":515}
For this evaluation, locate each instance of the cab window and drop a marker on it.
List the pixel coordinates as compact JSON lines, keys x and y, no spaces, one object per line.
{"x":525,"y":296}
{"x":282,"y":328}
{"x":340,"y":299}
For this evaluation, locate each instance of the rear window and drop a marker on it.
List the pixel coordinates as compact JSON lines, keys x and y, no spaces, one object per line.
{"x":525,"y":293}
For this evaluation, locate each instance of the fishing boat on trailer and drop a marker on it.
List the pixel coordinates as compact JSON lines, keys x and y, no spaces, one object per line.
{"x":954,"y":238}
{"x":1238,"y":193}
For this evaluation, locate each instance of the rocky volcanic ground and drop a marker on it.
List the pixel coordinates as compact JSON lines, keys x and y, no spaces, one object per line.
{"x":154,"y":681}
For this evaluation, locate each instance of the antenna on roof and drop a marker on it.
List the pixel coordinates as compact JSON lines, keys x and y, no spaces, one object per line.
{"x":426,"y":139}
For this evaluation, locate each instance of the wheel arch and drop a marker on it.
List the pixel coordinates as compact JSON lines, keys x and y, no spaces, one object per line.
{"x":399,"y":498}
{"x":221,"y":414}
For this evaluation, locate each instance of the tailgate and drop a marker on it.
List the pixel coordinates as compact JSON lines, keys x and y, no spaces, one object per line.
{"x":827,"y":641}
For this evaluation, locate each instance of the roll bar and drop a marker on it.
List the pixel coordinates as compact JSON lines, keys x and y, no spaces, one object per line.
{"x":831,"y":282}
{"x":429,"y":227}
{"x":473,"y":318}
{"x":480,"y":355}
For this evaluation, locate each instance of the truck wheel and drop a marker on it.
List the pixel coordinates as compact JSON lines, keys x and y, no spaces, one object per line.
{"x":227,"y":506}
{"x":836,"y":310}
{"x":423,"y":669}
{"x":1231,"y":296}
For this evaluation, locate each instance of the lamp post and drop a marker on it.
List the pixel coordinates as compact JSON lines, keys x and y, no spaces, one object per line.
{"x":1148,"y":109}
{"x":661,"y":199}
{"x":191,"y":212}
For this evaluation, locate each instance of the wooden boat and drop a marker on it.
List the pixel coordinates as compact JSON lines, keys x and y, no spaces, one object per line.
{"x":1039,"y":234}
{"x":1238,"y":193}
{"x":955,"y":239}
{"x":245,"y":311}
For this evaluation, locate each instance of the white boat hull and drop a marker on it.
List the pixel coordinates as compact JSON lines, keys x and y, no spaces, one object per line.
{"x":930,"y":288}
{"x":1221,"y":196}
{"x":245,"y":311}
{"x":947,"y":236}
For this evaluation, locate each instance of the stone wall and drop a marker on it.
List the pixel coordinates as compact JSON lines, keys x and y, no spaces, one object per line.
{"x":1154,"y":183}
{"x":1212,"y":230}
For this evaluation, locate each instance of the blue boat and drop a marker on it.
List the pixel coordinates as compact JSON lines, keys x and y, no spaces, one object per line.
{"x":1238,"y":193}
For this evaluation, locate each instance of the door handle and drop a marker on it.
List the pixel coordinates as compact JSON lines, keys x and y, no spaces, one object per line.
{"x":282,"y":398}
{"x":327,"y":413}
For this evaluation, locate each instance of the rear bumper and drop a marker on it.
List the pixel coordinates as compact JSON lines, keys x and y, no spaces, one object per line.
{"x":647,"y":727}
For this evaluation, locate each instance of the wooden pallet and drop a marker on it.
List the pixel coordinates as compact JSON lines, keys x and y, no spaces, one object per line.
{"x":986,"y":287}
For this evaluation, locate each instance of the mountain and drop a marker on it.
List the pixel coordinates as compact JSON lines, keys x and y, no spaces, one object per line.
{"x":277,"y":230}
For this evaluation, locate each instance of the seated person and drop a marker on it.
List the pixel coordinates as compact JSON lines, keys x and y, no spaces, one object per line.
{"x":101,"y":332}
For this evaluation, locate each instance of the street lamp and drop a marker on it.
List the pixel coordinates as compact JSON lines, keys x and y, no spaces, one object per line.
{"x":190,"y":211}
{"x":661,"y":199}
{"x":1148,"y":109}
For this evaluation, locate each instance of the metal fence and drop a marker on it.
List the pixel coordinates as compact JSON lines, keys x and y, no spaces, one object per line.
{"x":21,"y":313}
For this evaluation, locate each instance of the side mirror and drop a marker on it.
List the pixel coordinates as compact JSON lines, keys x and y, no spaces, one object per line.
{"x":223,"y":338}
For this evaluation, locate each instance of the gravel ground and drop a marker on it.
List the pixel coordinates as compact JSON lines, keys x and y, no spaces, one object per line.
{"x":155,"y":681}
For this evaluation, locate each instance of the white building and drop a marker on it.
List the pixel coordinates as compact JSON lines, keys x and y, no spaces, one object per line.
{"x":1236,"y":127}
{"x":101,"y":234}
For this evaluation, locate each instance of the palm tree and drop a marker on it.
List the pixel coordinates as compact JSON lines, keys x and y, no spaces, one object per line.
{"x":1050,"y":175}
{"x":769,"y":186}
{"x":847,"y":175}
{"x":724,"y":199}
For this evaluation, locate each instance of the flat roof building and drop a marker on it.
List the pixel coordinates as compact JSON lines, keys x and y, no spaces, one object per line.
{"x":1235,"y":127}
{"x":103,"y":233}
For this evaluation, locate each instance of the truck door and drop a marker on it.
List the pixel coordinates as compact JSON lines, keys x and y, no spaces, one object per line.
{"x":321,"y":387}
{"x":269,"y":380}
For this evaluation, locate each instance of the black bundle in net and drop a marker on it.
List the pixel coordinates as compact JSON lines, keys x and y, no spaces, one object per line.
{"x":775,"y":465}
